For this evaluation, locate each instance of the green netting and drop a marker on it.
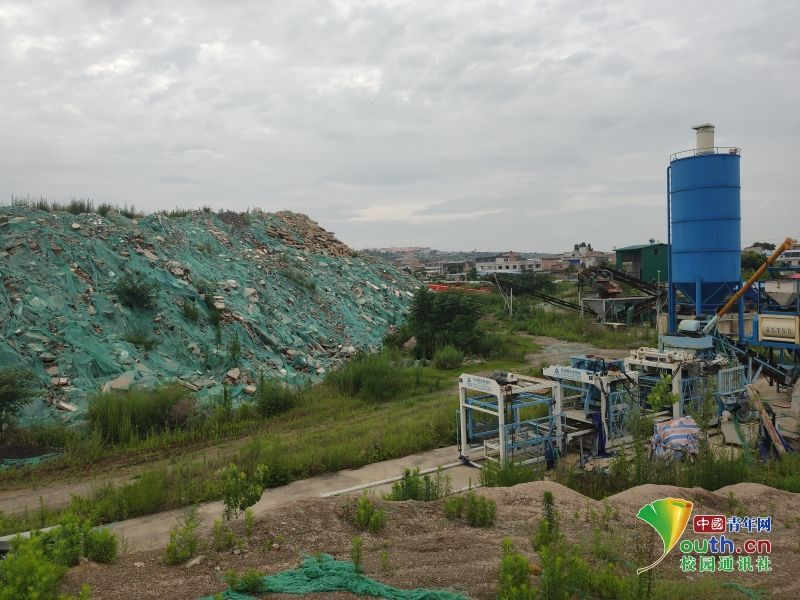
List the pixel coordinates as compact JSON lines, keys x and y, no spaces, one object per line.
{"x":298,"y":301}
{"x":326,"y":574}
{"x":8,"y":463}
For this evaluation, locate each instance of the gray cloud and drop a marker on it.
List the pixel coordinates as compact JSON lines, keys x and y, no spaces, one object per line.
{"x":525,"y":125}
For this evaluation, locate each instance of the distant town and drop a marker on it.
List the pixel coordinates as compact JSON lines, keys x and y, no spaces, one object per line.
{"x":647,"y":261}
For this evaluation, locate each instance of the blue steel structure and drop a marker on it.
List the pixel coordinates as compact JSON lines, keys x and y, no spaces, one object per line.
{"x":532,"y":436}
{"x":704,"y":230}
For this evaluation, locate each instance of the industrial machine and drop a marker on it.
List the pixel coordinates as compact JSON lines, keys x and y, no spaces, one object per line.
{"x":705,"y":355}
{"x":509,"y":418}
{"x":704,"y":280}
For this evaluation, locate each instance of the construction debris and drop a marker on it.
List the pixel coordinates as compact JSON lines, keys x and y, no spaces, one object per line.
{"x":233,"y":294}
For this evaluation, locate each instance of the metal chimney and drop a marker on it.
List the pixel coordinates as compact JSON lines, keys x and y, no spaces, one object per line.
{"x":705,"y":138}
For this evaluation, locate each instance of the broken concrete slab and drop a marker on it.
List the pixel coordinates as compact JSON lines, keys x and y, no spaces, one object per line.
{"x":123,"y":382}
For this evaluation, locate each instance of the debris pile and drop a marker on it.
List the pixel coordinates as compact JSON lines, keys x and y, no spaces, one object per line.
{"x":233,"y":297}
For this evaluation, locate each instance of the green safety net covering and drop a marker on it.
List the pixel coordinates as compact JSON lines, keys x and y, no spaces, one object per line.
{"x":326,"y":574}
{"x":298,"y":301}
{"x":8,"y":463}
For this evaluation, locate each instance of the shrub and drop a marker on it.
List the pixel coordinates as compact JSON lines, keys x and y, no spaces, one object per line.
{"x":369,"y":376}
{"x":141,"y":338}
{"x":437,"y":320}
{"x":101,"y":545}
{"x":272,"y":398}
{"x":367,"y":516}
{"x":64,"y":544}
{"x":357,"y":554}
{"x":136,"y":291}
{"x":249,"y":522}
{"x":448,"y":357}
{"x":223,"y":536}
{"x":514,"y":575}
{"x":16,"y":390}
{"x":183,"y":540}
{"x":251,"y":581}
{"x":661,"y":396}
{"x":412,"y":486}
{"x":26,"y":572}
{"x":241,"y":490}
{"x":121,"y":418}
{"x":299,"y":279}
{"x":477,"y":511}
{"x":234,"y":350}
{"x":547,"y":527}
{"x":494,"y":475}
{"x":190,"y":312}
{"x":454,"y":507}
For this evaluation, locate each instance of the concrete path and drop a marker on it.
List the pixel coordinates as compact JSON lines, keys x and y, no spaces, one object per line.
{"x":152,"y":531}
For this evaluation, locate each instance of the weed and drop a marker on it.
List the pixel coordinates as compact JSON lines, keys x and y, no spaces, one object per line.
{"x":448,"y":357}
{"x":183,"y":539}
{"x":135,"y":414}
{"x":231,"y":578}
{"x":367,"y":516}
{"x":64,"y":544}
{"x":251,"y":581}
{"x":234,"y":351}
{"x":357,"y":554}
{"x":298,"y":278}
{"x":249,"y":522}
{"x":547,"y":530}
{"x":273,"y":398}
{"x":661,"y":395}
{"x":101,"y":546}
{"x":190,"y":312}
{"x":412,"y":486}
{"x":372,"y":377}
{"x":453,"y":507}
{"x":383,"y":560}
{"x":136,"y":291}
{"x":514,"y":575}
{"x":141,"y":339}
{"x":477,"y":511}
{"x":494,"y":475}
{"x":16,"y":390}
{"x":223,"y":536}
{"x":26,"y":572}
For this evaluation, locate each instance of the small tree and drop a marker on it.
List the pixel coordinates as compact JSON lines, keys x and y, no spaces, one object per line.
{"x":16,"y":390}
{"x":136,"y":291}
{"x":241,"y":490}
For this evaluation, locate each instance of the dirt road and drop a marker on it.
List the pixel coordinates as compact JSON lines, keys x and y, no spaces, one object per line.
{"x":152,"y":531}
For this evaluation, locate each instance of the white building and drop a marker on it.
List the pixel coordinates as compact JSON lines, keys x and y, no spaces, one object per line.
{"x":509,"y":263}
{"x":790,"y":258}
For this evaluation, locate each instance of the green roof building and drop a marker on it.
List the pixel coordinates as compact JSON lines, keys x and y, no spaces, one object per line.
{"x":648,"y":262}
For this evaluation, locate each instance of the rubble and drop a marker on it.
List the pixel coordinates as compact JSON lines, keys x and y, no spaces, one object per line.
{"x":267,"y":294}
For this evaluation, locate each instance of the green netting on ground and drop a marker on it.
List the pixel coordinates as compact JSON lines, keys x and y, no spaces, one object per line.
{"x":8,"y":463}
{"x":326,"y":574}
{"x":297,"y":300}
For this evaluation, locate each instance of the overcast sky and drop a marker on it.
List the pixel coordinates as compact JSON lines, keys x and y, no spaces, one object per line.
{"x":458,"y":125}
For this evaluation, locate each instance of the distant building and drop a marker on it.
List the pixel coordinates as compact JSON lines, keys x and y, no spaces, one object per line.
{"x":508,"y":263}
{"x":594,"y":258}
{"x":791,"y":257}
{"x":757,"y":250}
{"x":648,"y":262}
{"x":553,"y":265}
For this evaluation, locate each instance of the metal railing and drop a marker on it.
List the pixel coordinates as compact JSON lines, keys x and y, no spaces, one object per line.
{"x":704,"y":151}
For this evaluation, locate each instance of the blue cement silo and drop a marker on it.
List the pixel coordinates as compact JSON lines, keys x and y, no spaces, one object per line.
{"x":704,"y":208}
